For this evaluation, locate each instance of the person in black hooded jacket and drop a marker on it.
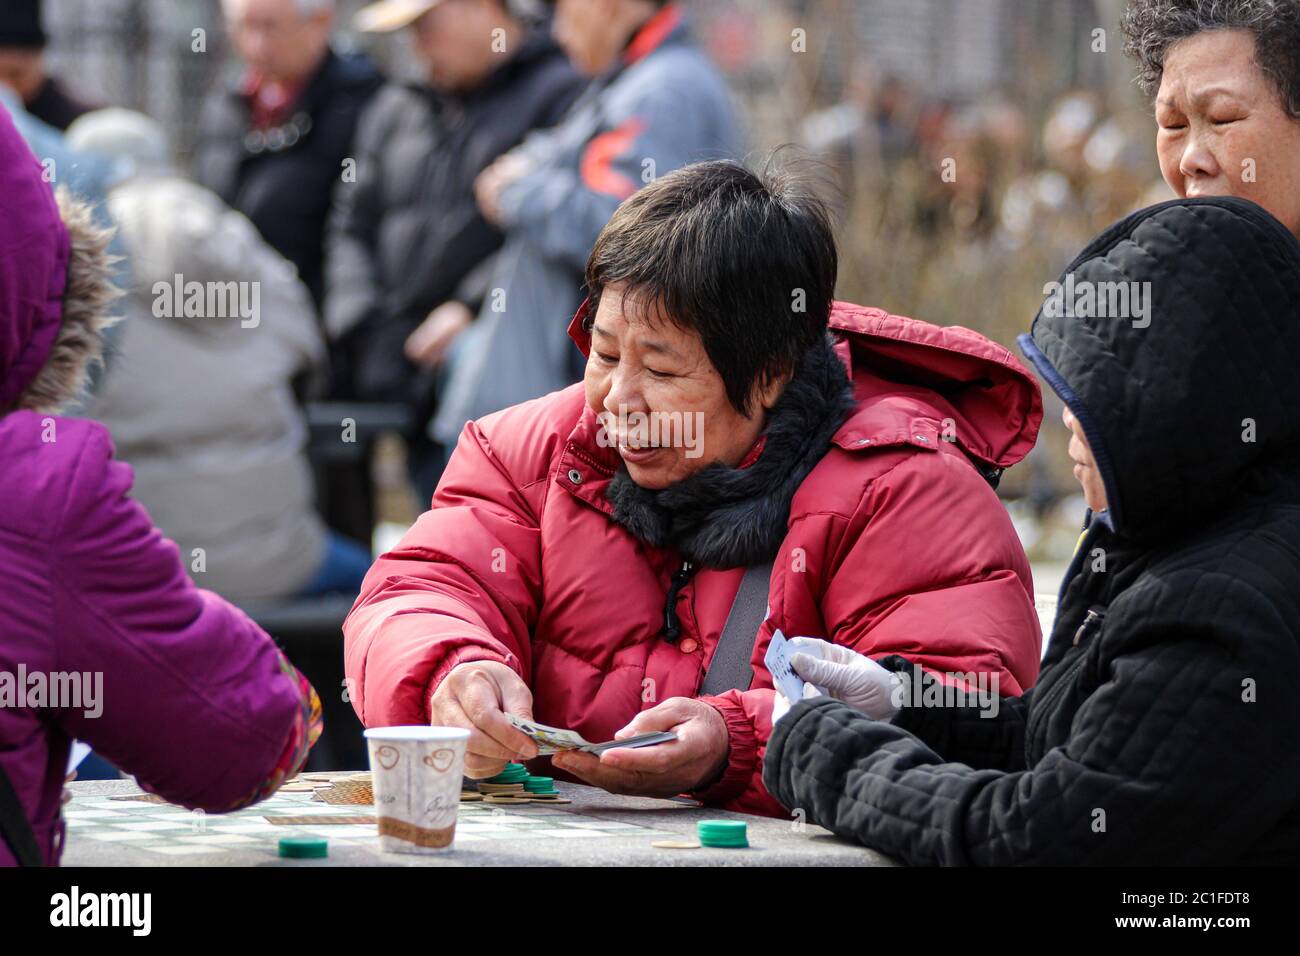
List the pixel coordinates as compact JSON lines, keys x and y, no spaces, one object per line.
{"x":1165,"y":726}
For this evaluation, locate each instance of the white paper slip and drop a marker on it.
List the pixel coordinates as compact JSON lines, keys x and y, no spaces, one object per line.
{"x":76,"y":755}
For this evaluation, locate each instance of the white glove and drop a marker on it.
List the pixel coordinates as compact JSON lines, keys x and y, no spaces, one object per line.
{"x":781,"y":706}
{"x":848,"y":676}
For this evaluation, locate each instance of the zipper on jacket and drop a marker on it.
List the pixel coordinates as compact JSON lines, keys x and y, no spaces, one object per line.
{"x":673,"y":626}
{"x":1091,"y":621}
{"x":1042,"y":706}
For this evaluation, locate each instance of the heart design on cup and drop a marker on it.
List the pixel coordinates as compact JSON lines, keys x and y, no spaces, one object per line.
{"x":440,"y":760}
{"x":387,"y":757}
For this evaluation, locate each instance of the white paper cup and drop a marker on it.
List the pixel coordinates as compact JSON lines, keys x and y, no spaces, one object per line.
{"x":416,"y":776}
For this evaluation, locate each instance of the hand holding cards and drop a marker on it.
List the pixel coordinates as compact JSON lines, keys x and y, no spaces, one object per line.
{"x":551,"y":740}
{"x":778,"y":663}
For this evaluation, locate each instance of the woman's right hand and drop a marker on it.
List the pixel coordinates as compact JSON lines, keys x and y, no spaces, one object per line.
{"x":476,"y":696}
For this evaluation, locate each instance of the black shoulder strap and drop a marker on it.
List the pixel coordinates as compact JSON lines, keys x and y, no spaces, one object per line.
{"x":15,"y":827}
{"x":729,"y":669}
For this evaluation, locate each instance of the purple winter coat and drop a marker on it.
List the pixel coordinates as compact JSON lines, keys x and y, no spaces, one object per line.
{"x":193,"y":698}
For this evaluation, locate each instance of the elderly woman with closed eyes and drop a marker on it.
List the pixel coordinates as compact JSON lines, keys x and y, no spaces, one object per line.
{"x":1225,"y":75}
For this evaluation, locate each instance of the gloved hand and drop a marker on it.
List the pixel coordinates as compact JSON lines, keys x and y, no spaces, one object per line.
{"x":781,"y":706}
{"x":848,"y":676}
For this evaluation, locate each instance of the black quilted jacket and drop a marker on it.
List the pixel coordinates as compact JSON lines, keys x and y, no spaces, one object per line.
{"x":1165,"y":727}
{"x":408,"y":235}
{"x":283,"y":182}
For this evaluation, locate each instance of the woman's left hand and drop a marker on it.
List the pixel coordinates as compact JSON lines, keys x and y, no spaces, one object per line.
{"x":848,"y":676}
{"x":781,"y":706}
{"x":694,"y":759}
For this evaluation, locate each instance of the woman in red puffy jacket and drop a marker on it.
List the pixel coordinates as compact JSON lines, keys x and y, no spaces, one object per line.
{"x":583,"y":550}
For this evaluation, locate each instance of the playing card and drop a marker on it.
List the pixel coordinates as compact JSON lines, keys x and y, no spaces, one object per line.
{"x":76,"y":755}
{"x":552,"y":740}
{"x":549,"y":740}
{"x":640,"y":740}
{"x":777,"y":661}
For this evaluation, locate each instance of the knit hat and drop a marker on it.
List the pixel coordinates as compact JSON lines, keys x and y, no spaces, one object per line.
{"x":137,"y":143}
{"x":20,"y":24}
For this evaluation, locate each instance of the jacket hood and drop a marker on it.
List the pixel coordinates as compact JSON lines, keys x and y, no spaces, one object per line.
{"x":917,"y":383}
{"x":34,"y":252}
{"x":1173,"y":339}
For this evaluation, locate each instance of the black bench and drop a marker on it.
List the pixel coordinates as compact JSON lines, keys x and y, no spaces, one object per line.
{"x":342,"y":461}
{"x":310,"y":632}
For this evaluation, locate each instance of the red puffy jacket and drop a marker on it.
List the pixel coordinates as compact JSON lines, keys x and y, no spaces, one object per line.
{"x":905,"y":549}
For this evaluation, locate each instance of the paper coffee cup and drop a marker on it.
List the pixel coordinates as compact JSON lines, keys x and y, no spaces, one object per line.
{"x":416,"y":776}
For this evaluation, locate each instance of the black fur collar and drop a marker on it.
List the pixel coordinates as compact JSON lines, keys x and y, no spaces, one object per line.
{"x":723,"y":517}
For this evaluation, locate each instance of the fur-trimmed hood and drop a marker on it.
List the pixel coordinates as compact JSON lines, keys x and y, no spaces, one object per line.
{"x":56,"y":283}
{"x":34,"y":253}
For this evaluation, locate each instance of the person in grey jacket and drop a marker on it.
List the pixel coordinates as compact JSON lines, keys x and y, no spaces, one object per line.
{"x":408,"y":249}
{"x":199,"y":399}
{"x":656,"y":104}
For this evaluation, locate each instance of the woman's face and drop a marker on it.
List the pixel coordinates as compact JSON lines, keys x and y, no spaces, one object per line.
{"x":1223,"y":129}
{"x":661,"y":401}
{"x":1085,"y":466}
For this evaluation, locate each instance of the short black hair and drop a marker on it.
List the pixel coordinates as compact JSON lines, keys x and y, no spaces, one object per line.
{"x":1151,"y":27}
{"x":747,"y":260}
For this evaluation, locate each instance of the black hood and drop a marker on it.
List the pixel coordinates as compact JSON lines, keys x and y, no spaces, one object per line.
{"x":1171,"y":396}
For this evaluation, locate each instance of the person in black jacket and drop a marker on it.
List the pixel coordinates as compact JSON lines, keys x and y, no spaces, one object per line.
{"x":1165,"y":727}
{"x":275,"y":143}
{"x":409,"y":250}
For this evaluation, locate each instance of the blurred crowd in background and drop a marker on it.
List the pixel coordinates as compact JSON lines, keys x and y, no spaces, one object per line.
{"x":363,"y":168}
